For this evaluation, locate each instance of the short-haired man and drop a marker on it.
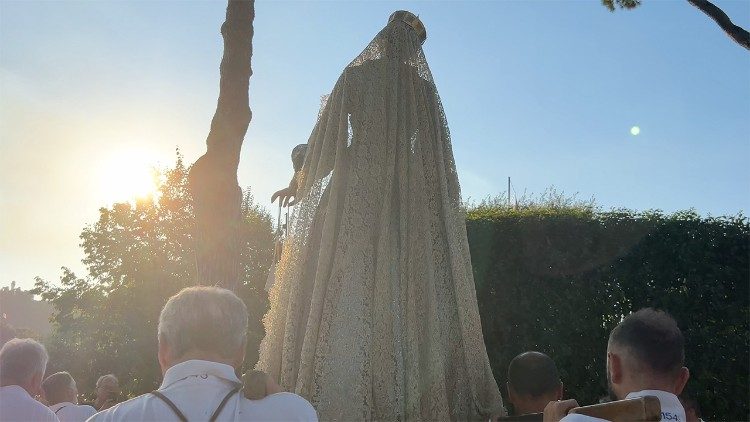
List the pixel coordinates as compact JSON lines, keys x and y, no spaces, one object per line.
{"x":61,"y":393}
{"x":202,"y":337}
{"x":645,"y":357}
{"x":533,"y":381}
{"x":22,"y":366}
{"x":107,"y":391}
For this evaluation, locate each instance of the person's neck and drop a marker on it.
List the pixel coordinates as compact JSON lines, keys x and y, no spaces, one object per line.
{"x":71,"y":400}
{"x":66,"y":401}
{"x":6,"y":382}
{"x":200,"y":355}
{"x":648,"y":384}
{"x":530,"y":408}
{"x":531,"y":405}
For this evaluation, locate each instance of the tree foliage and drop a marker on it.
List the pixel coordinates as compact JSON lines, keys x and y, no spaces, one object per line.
{"x":558,"y":279}
{"x":138,"y":255}
{"x":622,"y":4}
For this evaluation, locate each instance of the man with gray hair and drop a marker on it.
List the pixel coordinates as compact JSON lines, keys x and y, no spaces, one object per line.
{"x":61,"y":392}
{"x":107,"y":391}
{"x":202,"y":337}
{"x":22,"y":366}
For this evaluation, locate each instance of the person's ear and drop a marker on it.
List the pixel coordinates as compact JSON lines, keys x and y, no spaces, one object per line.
{"x":682,"y":379}
{"x":614,"y":366}
{"x":36,"y":385}
{"x":74,"y":396}
{"x":511,"y":394}
{"x":239,"y":359}
{"x":164,"y":355}
{"x":559,"y":394}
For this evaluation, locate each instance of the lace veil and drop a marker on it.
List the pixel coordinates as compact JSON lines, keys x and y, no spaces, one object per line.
{"x":373,"y":313}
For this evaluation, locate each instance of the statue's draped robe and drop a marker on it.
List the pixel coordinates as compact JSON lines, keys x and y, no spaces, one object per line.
{"x":374,"y":312}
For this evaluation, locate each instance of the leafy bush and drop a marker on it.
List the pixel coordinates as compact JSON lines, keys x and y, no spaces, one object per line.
{"x":558,"y":278}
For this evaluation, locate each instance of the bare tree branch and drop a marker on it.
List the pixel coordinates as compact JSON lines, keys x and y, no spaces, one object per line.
{"x":738,"y":34}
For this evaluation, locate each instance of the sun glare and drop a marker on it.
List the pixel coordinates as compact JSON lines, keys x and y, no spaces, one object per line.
{"x":128,"y":175}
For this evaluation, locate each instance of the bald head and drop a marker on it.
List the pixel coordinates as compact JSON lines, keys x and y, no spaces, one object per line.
{"x":533,"y":381}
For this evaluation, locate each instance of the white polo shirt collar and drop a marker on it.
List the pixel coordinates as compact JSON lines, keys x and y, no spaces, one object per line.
{"x":198,"y":368}
{"x":58,"y":406}
{"x":16,"y":390}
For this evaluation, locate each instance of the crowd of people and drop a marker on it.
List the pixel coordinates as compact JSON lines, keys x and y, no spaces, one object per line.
{"x":202,"y":338}
{"x":202,"y":335}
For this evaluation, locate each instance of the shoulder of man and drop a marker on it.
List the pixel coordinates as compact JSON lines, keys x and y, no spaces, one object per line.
{"x":121,"y":411}
{"x":287,"y":406}
{"x":49,"y":414}
{"x":40,"y":411}
{"x":86,"y":409}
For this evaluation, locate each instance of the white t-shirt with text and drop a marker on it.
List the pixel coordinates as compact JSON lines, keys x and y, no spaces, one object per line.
{"x":671,"y":408}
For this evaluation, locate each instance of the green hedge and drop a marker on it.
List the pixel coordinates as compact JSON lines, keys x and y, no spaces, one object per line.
{"x":558,"y":280}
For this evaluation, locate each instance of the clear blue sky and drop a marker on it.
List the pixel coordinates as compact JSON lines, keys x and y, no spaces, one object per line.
{"x":543,"y":91}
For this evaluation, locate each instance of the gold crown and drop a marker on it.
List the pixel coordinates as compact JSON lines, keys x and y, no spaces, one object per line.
{"x":412,"y":20}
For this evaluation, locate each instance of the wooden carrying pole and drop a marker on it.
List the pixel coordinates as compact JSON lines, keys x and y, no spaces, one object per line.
{"x":641,"y":409}
{"x":212,"y":180}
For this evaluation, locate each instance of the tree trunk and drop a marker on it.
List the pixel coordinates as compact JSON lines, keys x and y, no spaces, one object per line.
{"x":738,"y":34}
{"x":213,"y":178}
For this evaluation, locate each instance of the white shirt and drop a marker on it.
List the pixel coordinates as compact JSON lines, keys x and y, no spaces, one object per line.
{"x":197,"y":387}
{"x":671,"y":408}
{"x":69,"y":412}
{"x":17,"y":405}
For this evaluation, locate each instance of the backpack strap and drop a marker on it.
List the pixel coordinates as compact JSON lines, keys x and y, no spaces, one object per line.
{"x":171,"y":405}
{"x":224,"y":402}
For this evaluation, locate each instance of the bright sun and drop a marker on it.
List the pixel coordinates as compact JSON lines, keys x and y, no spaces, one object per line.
{"x":127,"y":175}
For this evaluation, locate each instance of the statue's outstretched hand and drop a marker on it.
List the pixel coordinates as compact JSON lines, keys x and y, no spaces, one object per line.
{"x":287,"y":196}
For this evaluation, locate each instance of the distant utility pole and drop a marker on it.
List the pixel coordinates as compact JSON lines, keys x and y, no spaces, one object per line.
{"x":508,"y":191}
